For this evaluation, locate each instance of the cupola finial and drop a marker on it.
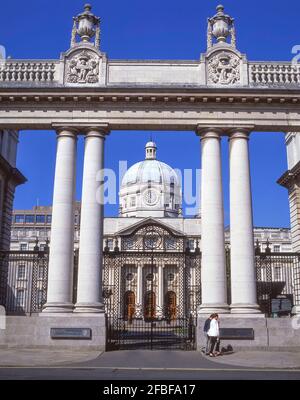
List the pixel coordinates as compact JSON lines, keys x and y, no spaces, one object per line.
{"x":151,"y":150}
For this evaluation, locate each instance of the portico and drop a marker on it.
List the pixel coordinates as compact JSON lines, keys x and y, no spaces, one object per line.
{"x":85,"y":93}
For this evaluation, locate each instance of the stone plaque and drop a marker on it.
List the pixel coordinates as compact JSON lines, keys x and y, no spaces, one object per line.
{"x":237,"y":333}
{"x":71,"y":333}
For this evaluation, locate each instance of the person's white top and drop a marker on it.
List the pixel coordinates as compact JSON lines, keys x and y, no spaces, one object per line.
{"x":214,"y":328}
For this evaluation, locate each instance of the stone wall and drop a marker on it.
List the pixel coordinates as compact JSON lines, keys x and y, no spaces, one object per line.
{"x":294,"y":200}
{"x":34,"y":331}
{"x":269,"y":333}
{"x":7,"y":207}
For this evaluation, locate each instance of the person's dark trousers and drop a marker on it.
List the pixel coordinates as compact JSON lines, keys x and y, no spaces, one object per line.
{"x":207,"y":344}
{"x":214,"y":342}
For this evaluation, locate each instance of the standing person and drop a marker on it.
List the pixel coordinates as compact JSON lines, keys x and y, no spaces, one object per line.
{"x":205,"y":330}
{"x":214,"y":336}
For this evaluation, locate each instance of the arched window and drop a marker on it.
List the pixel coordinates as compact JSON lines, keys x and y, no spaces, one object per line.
{"x":150,"y":306}
{"x":170,"y":305}
{"x":129,"y":305}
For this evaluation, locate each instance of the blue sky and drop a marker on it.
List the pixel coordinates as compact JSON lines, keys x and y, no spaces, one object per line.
{"x":168,"y":29}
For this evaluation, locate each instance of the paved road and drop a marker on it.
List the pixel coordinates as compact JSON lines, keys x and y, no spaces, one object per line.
{"x":149,"y":365}
{"x":145,"y":374}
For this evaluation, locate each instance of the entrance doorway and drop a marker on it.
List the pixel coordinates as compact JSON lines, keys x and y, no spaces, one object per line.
{"x":129,"y":303}
{"x":139,"y":316}
{"x":150,"y":306}
{"x":170,"y":305}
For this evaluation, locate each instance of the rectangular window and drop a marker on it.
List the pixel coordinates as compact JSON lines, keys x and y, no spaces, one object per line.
{"x":132,"y":202}
{"x":49,"y":219}
{"x":192,"y":244}
{"x":277,"y":273}
{"x":110,"y":244}
{"x":20,"y":298}
{"x":40,"y":219}
{"x":19,"y":219}
{"x":29,"y":219}
{"x":23,"y":246}
{"x":21,"y":272}
{"x":276,"y":249}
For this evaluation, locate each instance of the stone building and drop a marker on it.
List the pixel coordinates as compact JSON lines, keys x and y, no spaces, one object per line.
{"x":291,"y":180}
{"x":10,"y":178}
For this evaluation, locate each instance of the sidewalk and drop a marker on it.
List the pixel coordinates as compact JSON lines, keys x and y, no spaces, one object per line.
{"x":145,"y":359}
{"x":260,"y":359}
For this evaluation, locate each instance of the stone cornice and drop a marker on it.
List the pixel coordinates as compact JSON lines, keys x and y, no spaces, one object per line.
{"x":289,"y":177}
{"x":150,"y":95}
{"x":12,"y":173}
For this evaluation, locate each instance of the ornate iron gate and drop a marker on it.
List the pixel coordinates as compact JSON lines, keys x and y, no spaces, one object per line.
{"x":151,"y":291}
{"x":24,"y":278}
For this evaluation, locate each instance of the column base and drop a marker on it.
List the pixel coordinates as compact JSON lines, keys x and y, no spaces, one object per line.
{"x":240,"y":308}
{"x":57,"y":308}
{"x":89,"y":308}
{"x":214,"y":308}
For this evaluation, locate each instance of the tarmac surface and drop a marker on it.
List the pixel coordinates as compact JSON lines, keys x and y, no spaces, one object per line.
{"x":29,"y":364}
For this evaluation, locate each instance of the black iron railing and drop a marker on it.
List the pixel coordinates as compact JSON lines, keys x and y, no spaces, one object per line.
{"x":278,"y":282}
{"x":24,"y":278}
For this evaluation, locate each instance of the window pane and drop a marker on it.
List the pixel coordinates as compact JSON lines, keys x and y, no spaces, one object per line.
{"x":29,"y":219}
{"x":20,"y":298}
{"x":192,"y":244}
{"x":23,"y":246}
{"x":19,"y":219}
{"x":40,"y":219}
{"x":49,"y":219}
{"x":21,"y":271}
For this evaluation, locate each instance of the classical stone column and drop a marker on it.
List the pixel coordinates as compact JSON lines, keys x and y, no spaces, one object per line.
{"x":139,"y":297}
{"x":243,"y":279}
{"x":89,"y":287}
{"x":61,"y":258}
{"x":160,"y":302}
{"x":213,"y":274}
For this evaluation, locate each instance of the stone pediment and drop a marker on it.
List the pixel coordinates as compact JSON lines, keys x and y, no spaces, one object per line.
{"x":146,"y":222}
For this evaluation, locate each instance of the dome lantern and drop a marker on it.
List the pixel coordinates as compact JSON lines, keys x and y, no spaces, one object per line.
{"x":150,"y":151}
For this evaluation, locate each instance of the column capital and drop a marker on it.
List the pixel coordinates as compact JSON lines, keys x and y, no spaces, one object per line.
{"x":66,"y":131}
{"x":97,"y":131}
{"x":239,"y":133}
{"x":209,"y":132}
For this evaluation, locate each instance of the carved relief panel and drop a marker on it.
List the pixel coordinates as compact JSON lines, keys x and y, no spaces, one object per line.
{"x":83,"y":67}
{"x":224,"y":68}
